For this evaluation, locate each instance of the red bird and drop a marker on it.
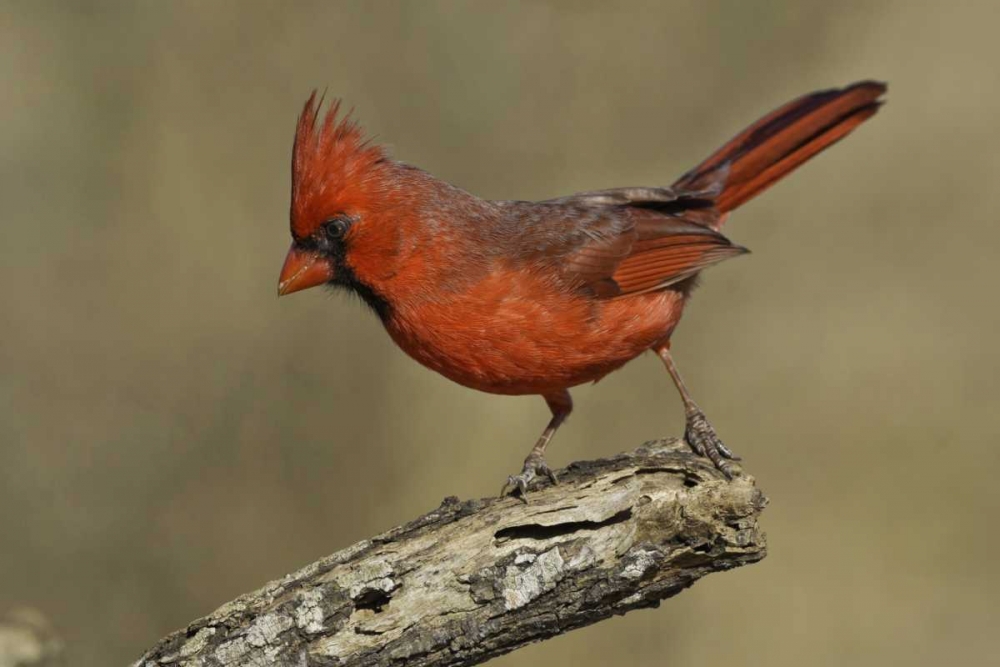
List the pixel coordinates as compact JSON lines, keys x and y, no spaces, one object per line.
{"x":517,"y":297}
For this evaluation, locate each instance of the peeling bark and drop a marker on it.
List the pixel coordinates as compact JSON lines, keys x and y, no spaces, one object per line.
{"x":473,"y":580}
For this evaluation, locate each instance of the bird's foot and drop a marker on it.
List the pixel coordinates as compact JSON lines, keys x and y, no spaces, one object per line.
{"x":534,"y":466}
{"x":703,"y":439}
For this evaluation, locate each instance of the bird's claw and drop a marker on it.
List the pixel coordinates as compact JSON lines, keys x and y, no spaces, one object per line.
{"x":703,"y":439}
{"x":533,"y":467}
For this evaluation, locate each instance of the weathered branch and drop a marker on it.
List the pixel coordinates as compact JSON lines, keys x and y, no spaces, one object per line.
{"x":472,"y":580}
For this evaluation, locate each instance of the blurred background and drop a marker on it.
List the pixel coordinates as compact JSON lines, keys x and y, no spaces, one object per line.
{"x":172,"y":435}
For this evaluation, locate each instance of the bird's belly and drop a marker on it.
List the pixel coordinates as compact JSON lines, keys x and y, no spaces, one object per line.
{"x":514,"y":345}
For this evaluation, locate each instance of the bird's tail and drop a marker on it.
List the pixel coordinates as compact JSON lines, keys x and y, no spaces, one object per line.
{"x":779,"y":142}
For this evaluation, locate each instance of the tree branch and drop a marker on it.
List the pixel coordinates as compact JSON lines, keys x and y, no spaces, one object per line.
{"x":476,"y":579}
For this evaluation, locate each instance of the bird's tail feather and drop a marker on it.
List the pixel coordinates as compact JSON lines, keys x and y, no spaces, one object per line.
{"x":762,"y":154}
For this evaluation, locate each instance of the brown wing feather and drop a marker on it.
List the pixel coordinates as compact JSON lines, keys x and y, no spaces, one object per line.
{"x":673,"y":259}
{"x":651,"y":251}
{"x":583,"y":240}
{"x":596,"y":249}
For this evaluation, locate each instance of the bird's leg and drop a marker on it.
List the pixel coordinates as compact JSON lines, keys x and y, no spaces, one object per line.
{"x":698,"y":433}
{"x":561,"y":405}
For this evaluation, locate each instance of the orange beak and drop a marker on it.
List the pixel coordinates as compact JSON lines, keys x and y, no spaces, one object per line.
{"x":303,"y":269}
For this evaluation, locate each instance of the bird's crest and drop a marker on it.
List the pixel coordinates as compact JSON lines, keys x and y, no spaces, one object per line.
{"x":334,"y":167}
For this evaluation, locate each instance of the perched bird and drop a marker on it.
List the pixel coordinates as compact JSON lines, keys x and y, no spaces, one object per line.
{"x":518,"y":297}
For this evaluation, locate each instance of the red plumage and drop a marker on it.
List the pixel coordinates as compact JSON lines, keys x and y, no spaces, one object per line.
{"x":516,"y":297}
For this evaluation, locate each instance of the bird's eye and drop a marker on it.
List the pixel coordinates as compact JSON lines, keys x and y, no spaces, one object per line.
{"x":335,"y":228}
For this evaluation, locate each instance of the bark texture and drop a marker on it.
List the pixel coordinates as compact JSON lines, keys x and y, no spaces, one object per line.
{"x":475,"y":579}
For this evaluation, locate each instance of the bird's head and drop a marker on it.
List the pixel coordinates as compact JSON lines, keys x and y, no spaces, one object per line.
{"x":345,"y":194}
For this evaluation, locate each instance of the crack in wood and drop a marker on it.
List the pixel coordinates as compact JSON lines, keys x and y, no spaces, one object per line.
{"x":536,"y":531}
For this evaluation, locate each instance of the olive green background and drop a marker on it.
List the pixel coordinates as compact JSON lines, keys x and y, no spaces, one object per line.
{"x":172,"y":434}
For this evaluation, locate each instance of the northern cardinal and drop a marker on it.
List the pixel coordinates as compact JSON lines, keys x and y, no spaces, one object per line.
{"x":517,"y":297}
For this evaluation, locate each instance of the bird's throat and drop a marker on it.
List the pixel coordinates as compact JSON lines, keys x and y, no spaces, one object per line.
{"x":347,"y":280}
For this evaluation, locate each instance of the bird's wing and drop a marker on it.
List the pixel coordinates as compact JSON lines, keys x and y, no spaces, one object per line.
{"x":667,"y":250}
{"x":626,"y":241}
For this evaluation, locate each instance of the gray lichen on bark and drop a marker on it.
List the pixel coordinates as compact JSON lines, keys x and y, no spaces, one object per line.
{"x":472,"y":580}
